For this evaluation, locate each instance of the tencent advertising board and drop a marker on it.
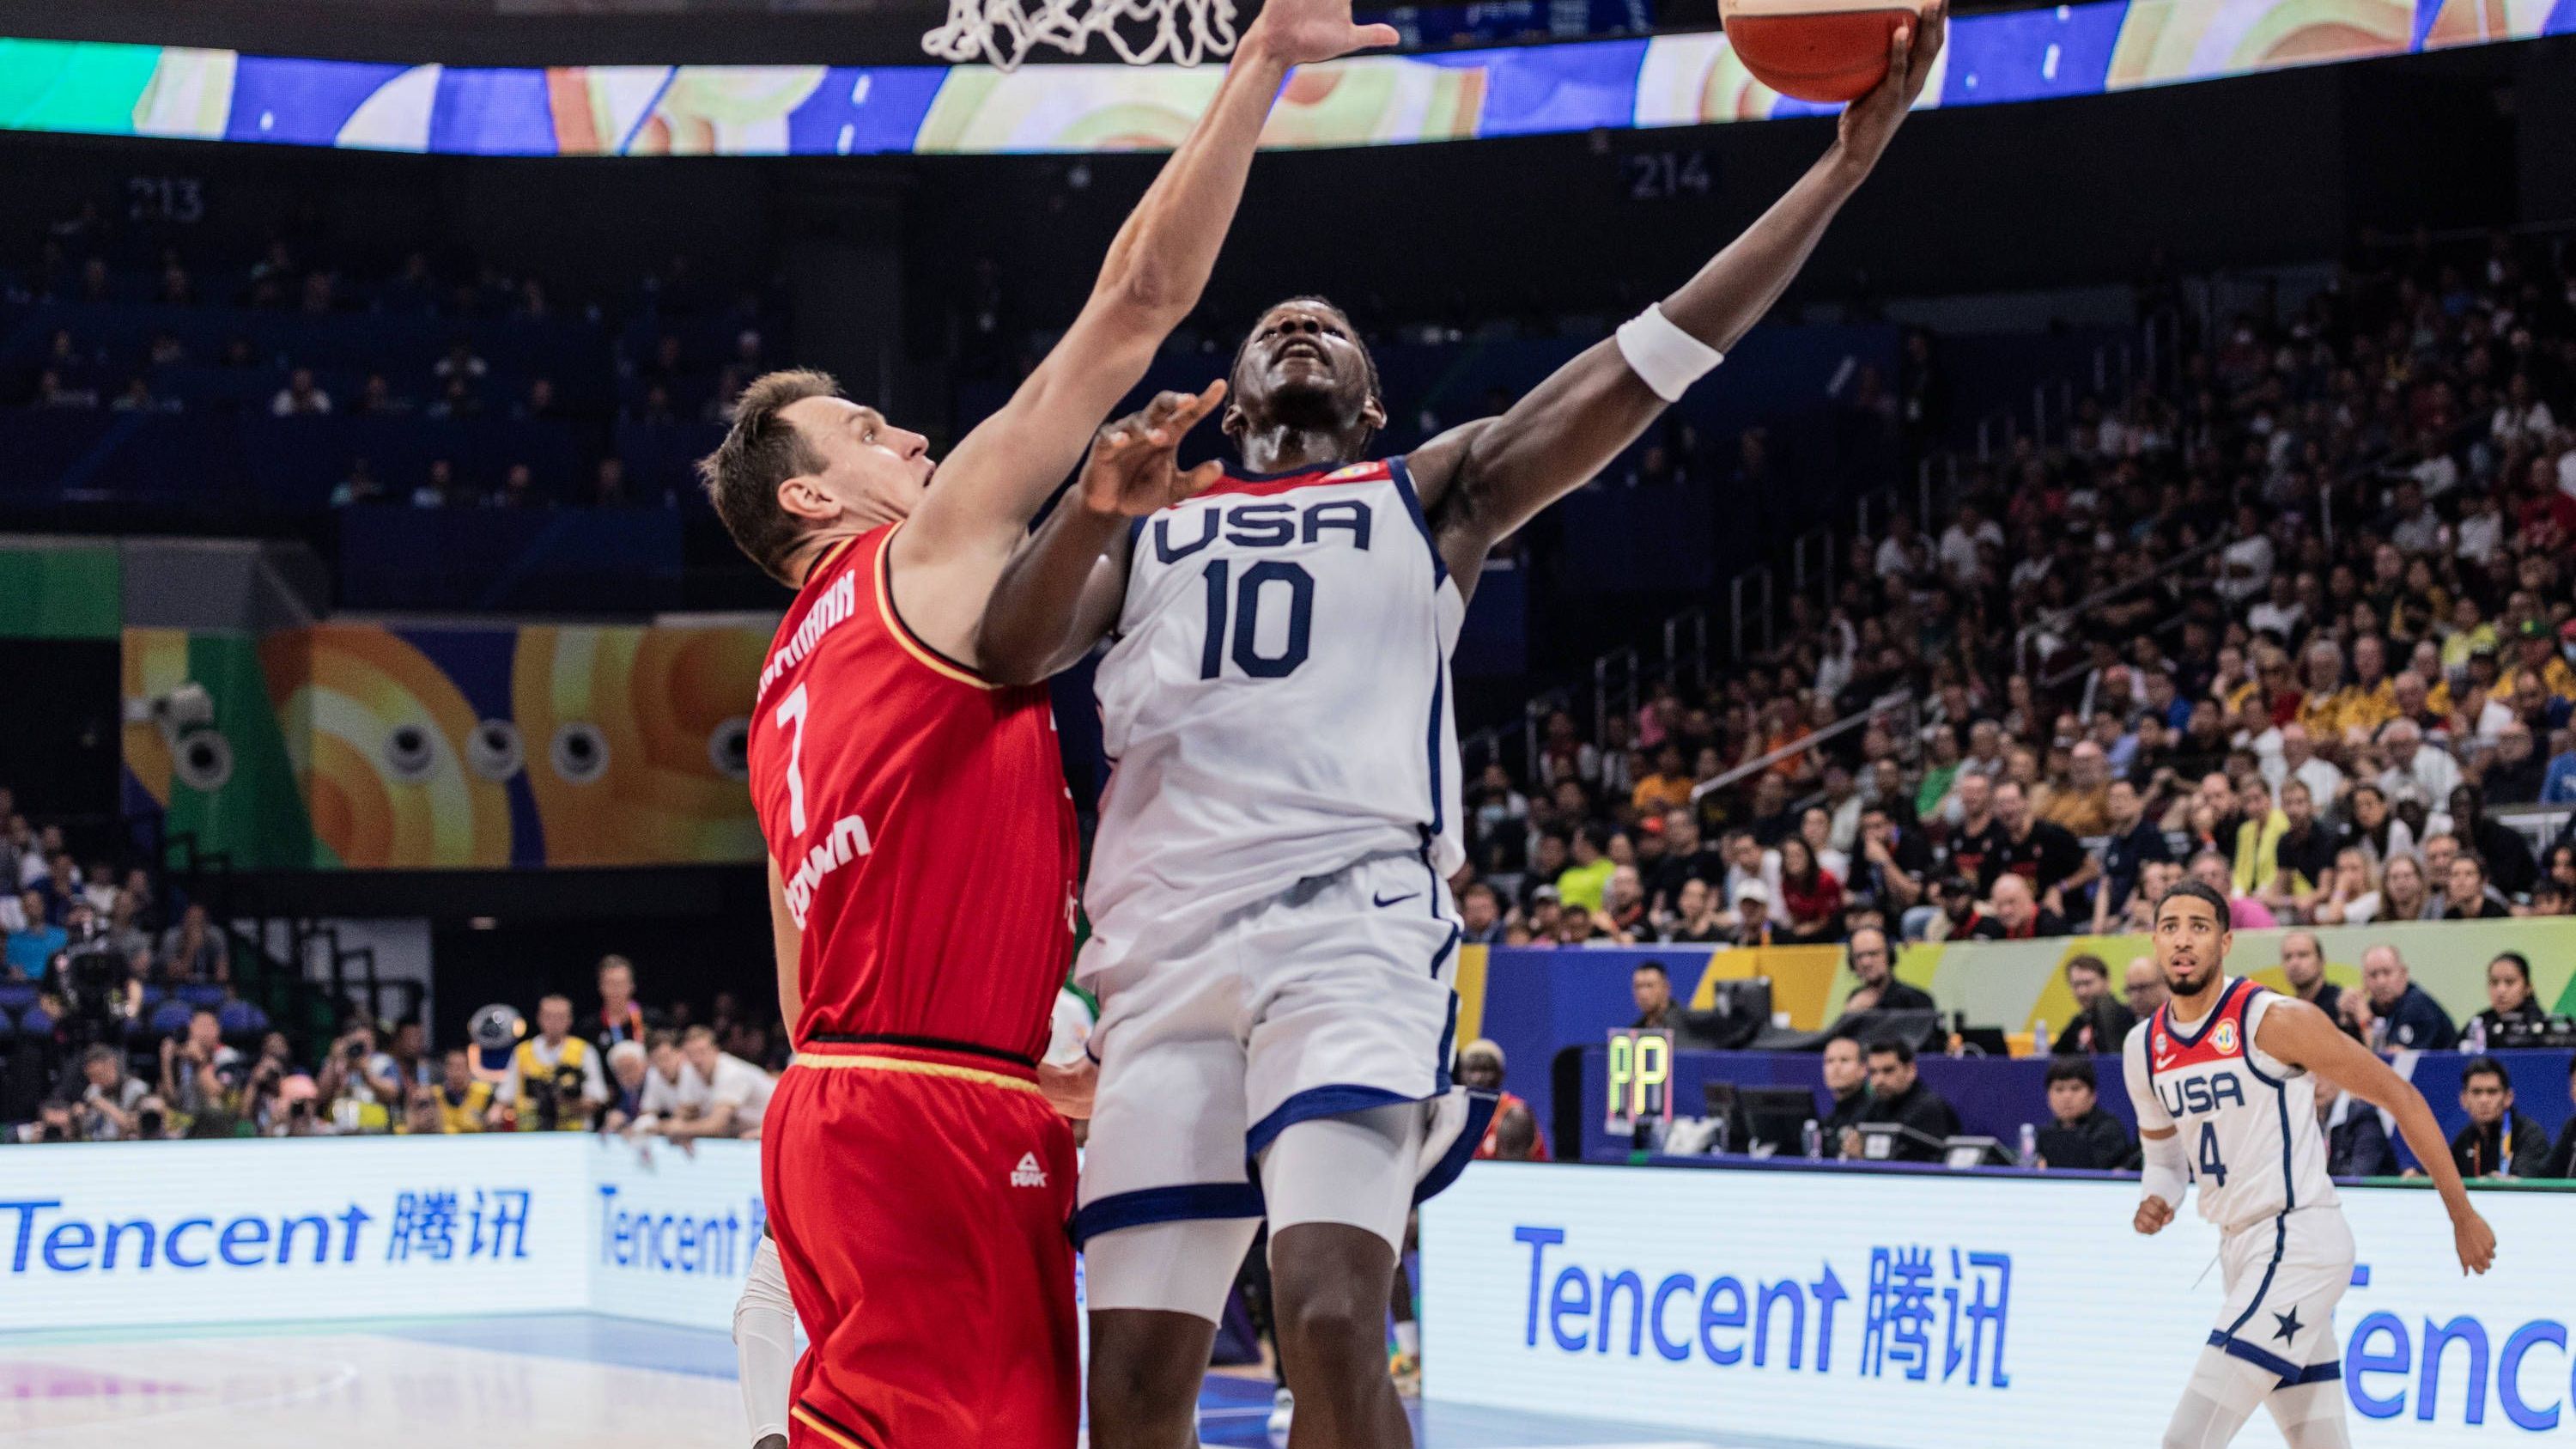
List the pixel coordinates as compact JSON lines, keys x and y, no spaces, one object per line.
{"x":198,"y":1232}
{"x":1932,"y":1310}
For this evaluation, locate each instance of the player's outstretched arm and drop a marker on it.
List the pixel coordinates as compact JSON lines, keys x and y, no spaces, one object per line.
{"x":1489,"y":477}
{"x":2300,"y":1034}
{"x":1062,"y":590}
{"x":1000,"y":474}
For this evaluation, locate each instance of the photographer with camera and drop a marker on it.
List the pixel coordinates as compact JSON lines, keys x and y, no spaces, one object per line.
{"x":194,"y":1064}
{"x":460,"y":1098}
{"x":109,"y":1098}
{"x":362,"y":1085}
{"x":55,"y":1122}
{"x":554,"y":1079}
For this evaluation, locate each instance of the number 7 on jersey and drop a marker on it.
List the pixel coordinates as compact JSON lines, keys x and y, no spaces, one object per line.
{"x":791,"y":718}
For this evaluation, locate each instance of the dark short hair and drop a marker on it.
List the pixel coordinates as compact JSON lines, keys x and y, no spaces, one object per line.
{"x":2072,"y":1069}
{"x":2198,"y":891}
{"x":1479,"y":888}
{"x":2521,"y":964}
{"x":1895,"y":1046}
{"x":2485,"y":1066}
{"x":2088,"y":962}
{"x":761,"y":450}
{"x":1655,"y":966}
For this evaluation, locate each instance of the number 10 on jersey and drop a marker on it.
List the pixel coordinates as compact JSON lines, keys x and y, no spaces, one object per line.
{"x":1241,"y":600}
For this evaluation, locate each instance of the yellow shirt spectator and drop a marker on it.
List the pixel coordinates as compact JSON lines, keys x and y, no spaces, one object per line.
{"x":2555,"y":679}
{"x":2258,"y":852}
{"x":1583,"y":885}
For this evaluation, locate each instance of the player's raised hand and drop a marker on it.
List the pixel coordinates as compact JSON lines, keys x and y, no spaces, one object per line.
{"x":1131,"y":470}
{"x":1301,"y":32}
{"x":2153,"y":1213}
{"x":1870,"y":122}
{"x":2475,"y":1240}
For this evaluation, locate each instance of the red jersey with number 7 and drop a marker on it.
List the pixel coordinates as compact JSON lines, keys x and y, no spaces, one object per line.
{"x":920,"y":821}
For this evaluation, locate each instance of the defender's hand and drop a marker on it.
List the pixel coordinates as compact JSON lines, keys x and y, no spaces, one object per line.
{"x":1069,"y":1089}
{"x":2475,"y":1240}
{"x":2153,"y":1214}
{"x":1130,"y":472}
{"x":1870,"y":122}
{"x":1301,"y":32}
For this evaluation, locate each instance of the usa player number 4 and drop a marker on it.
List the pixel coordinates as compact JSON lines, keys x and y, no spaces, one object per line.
{"x":2211,"y":1168}
{"x":1242,"y":601}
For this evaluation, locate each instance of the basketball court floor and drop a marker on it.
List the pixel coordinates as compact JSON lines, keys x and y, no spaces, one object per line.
{"x":544,"y":1381}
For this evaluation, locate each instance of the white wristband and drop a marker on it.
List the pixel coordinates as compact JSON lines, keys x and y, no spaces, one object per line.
{"x":1663,"y":356}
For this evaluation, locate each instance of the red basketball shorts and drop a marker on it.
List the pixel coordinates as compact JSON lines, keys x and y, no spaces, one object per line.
{"x":920,"y":1201}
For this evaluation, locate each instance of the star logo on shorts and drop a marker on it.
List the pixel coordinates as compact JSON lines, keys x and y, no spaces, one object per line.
{"x":2289,"y":1324}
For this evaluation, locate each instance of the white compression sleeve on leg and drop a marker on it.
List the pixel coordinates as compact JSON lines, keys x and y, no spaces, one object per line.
{"x":2168,"y":1170}
{"x":764,"y":1343}
{"x":2310,"y":1416}
{"x":1664,"y":357}
{"x":2221,"y":1396}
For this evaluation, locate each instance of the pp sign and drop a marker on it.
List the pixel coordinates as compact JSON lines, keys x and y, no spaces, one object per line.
{"x":1641,"y":1080}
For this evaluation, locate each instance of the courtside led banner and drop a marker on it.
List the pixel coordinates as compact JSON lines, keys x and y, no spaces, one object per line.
{"x":1929,"y":1311}
{"x":146,"y":1233}
{"x":817,"y":110}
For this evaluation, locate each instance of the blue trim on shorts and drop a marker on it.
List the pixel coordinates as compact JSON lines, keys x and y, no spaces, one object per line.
{"x":1480,"y":1115}
{"x":2280,"y":1246}
{"x":1336,"y":1099}
{"x":2291,"y":1375}
{"x":1440,"y":1079}
{"x":1179,"y":1203}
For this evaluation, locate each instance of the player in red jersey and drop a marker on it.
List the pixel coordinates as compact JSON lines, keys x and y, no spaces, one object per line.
{"x":921,"y":842}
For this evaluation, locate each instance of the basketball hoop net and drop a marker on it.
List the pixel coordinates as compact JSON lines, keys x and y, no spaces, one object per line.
{"x":1001,"y":32}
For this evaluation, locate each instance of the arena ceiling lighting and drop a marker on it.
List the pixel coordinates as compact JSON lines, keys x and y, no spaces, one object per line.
{"x":787,"y":110}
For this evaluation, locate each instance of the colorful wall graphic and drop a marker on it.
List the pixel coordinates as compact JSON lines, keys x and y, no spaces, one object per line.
{"x":367,"y":747}
{"x":752,"y":110}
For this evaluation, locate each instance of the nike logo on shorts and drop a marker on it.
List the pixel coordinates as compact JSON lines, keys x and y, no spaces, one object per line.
{"x":1393,"y":900}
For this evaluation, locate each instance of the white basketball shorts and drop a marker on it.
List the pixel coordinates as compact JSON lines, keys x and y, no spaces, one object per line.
{"x":2284,"y":1277}
{"x":1331,"y":998}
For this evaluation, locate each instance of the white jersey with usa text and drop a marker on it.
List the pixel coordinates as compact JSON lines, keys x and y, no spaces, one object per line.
{"x":1276,"y":705}
{"x":2247,"y":1120}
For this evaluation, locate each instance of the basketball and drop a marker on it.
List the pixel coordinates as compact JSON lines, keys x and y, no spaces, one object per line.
{"x":1814,"y":50}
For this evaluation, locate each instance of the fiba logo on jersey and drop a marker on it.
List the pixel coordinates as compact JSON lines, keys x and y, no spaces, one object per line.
{"x":2223,"y":1036}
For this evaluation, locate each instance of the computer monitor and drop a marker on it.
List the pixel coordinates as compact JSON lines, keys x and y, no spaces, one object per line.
{"x":1960,"y":1152}
{"x":1778,"y":1115}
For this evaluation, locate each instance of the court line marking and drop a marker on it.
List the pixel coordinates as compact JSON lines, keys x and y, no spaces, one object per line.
{"x":344,"y":1373}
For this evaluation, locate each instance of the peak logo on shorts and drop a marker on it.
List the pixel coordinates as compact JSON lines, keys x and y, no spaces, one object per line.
{"x":1028,"y":1173}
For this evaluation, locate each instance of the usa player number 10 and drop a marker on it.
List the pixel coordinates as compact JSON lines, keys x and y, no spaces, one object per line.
{"x":1242,"y":599}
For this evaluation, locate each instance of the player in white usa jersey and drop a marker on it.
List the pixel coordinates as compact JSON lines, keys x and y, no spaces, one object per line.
{"x":1272,"y":937}
{"x":2220,"y":1077}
